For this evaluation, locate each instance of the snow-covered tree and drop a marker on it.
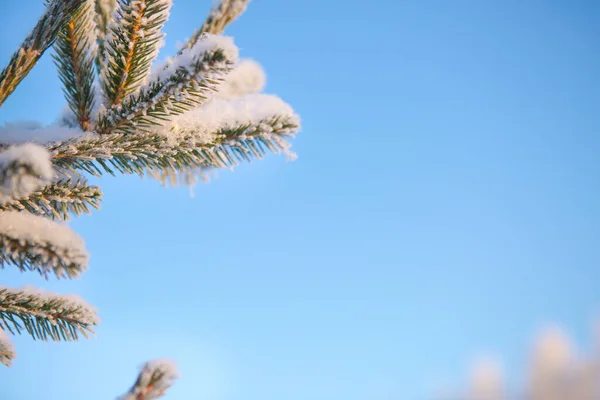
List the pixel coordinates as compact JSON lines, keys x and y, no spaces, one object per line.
{"x":172,"y":121}
{"x":556,"y":372}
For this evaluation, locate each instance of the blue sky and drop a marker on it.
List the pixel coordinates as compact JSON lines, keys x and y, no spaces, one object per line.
{"x":445,"y":204}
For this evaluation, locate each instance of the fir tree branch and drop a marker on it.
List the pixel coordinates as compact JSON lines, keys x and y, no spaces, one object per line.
{"x":7,"y":350}
{"x":220,"y":16}
{"x":59,"y":200}
{"x":74,"y":58}
{"x":135,"y":37}
{"x":45,"y":315}
{"x":187,"y":81}
{"x":23,"y":169}
{"x":153,"y":380}
{"x":104,"y":18}
{"x":219,"y":135}
{"x":33,"y":243}
{"x":57,"y":14}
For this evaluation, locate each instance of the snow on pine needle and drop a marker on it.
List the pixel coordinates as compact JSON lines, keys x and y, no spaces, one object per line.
{"x":186,"y":81}
{"x":34,"y":243}
{"x":153,"y":380}
{"x":23,"y":170}
{"x":45,"y":315}
{"x":133,"y":41}
{"x":19,"y":132}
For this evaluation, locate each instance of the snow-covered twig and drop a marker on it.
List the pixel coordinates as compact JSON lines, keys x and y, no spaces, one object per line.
{"x":34,"y":243}
{"x":152,"y":382}
{"x":59,"y":200}
{"x":23,"y":170}
{"x":45,"y":315}
{"x":57,"y":13}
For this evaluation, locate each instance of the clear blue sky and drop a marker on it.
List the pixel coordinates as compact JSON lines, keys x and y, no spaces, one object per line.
{"x":446,"y":203}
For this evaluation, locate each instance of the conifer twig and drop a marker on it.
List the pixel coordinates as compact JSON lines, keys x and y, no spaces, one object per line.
{"x":34,"y":243}
{"x":56,"y":15}
{"x":75,"y":49}
{"x":59,"y":200}
{"x":45,"y":315}
{"x":225,"y":12}
{"x":133,"y":43}
{"x":188,"y":81}
{"x":104,"y":18}
{"x":153,"y":380}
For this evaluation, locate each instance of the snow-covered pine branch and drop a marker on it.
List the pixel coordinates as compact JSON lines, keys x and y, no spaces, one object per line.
{"x":222,"y":14}
{"x":104,"y":10}
{"x":153,"y":380}
{"x":187,"y":81}
{"x":132,"y":44}
{"x":247,"y":77}
{"x":7,"y":349}
{"x":74,"y":58}
{"x":220,"y":134}
{"x":59,"y":200}
{"x":34,"y":243}
{"x":45,"y":315}
{"x":56,"y":15}
{"x":23,"y":169}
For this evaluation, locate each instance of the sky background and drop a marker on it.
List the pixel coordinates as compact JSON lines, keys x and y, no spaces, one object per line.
{"x":445,"y":204}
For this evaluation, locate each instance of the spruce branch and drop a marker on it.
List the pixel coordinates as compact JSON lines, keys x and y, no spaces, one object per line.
{"x":23,"y":169}
{"x":45,"y":315}
{"x":219,"y":135}
{"x":104,"y":18}
{"x":33,"y":243}
{"x":153,"y":380}
{"x":74,"y":59}
{"x":133,"y":43}
{"x":59,"y":200}
{"x":186,"y":82}
{"x":56,"y":15}
{"x":225,"y":12}
{"x":7,"y":350}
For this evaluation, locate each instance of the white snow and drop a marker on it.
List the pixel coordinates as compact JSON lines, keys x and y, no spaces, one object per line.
{"x":56,"y":243}
{"x":221,"y":114}
{"x":208,"y":43}
{"x":15,"y":180}
{"x":77,"y":308}
{"x":246,"y":78}
{"x":155,"y":377}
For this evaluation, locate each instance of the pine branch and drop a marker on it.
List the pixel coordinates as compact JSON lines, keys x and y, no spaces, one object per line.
{"x":7,"y":350}
{"x":33,"y":243}
{"x":218,"y":19}
{"x":57,"y":14}
{"x":23,"y":169}
{"x":188,"y":81}
{"x":59,"y":200}
{"x":104,"y":18}
{"x":219,"y":135}
{"x":135,"y":37}
{"x":45,"y":315}
{"x":74,"y":59}
{"x":154,"y":379}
